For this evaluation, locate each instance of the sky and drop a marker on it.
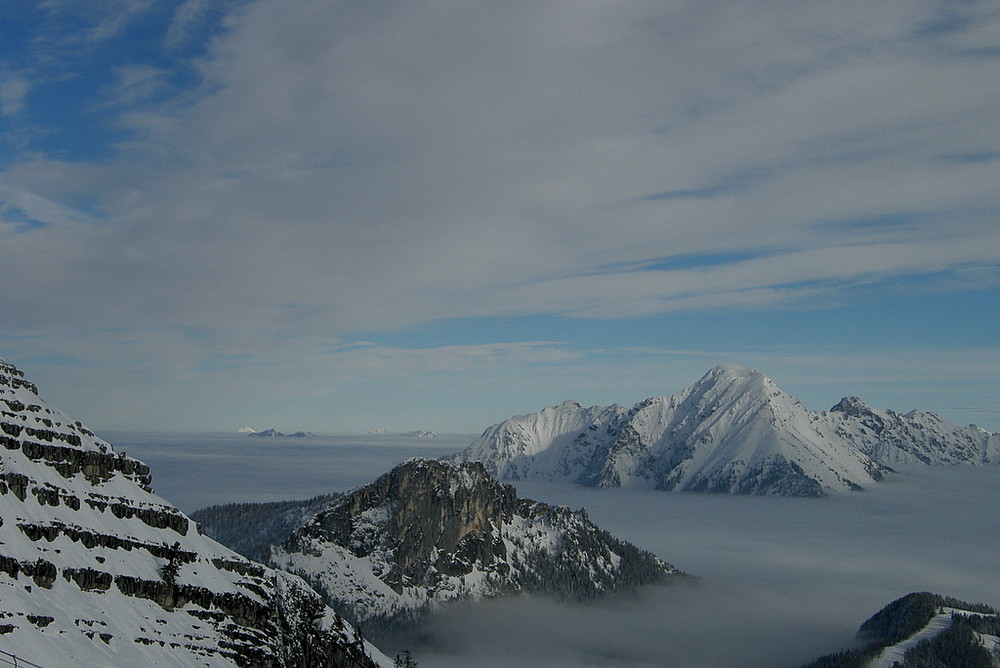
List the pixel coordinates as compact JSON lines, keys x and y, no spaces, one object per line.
{"x":336,"y":216}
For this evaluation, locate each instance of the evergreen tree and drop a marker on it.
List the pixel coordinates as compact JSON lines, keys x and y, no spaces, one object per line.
{"x":405,"y":660}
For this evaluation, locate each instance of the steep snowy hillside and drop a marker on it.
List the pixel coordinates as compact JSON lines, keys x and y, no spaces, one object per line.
{"x":734,"y":431}
{"x":921,"y":630}
{"x":429,"y":531}
{"x":96,"y":570}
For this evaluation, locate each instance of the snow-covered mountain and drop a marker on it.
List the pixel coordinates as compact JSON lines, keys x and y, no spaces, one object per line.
{"x":917,"y":437}
{"x":923,"y":629}
{"x":734,"y":431}
{"x":96,"y":570}
{"x":430,"y":531}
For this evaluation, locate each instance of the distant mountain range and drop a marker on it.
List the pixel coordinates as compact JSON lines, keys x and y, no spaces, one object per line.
{"x":418,"y":433}
{"x":96,"y":570}
{"x":274,"y":433}
{"x":734,"y":431}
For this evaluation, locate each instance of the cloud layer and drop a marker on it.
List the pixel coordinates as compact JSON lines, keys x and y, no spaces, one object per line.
{"x":300,"y":174}
{"x":781,"y":580}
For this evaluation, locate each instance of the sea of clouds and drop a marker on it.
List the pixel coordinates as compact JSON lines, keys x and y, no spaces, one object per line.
{"x":779,"y":581}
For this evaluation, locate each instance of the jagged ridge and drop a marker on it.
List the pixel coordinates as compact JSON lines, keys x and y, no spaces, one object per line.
{"x":734,"y":431}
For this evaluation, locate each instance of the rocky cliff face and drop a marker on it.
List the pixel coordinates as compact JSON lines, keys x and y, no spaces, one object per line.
{"x":97,"y":570}
{"x":734,"y":432}
{"x":429,"y":532}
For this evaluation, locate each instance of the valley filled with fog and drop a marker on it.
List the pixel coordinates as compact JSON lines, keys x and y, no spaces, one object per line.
{"x":780,"y":581}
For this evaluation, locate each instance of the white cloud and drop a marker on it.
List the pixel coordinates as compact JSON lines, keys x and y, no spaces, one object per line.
{"x":188,"y":16}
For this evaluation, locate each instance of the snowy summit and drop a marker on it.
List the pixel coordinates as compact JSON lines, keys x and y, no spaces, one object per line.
{"x":734,"y":431}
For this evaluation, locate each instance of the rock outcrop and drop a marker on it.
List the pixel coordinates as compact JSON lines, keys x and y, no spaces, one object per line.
{"x":429,"y":532}
{"x":97,"y":570}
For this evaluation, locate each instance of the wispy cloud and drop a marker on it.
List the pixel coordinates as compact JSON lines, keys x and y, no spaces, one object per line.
{"x":378,"y":167}
{"x":135,"y":84}
{"x":339,"y":136}
{"x":100,"y":20}
{"x":13,"y":90}
{"x":189,"y":15}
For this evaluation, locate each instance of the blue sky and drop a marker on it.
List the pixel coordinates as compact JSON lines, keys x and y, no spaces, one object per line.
{"x":335,"y":216}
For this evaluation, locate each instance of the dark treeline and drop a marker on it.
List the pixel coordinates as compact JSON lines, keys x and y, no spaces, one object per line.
{"x":958,"y":645}
{"x":252,"y":528}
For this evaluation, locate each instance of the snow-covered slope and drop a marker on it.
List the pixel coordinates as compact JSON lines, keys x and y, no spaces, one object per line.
{"x":923,"y":629}
{"x":734,"y":431}
{"x":430,"y":531}
{"x":96,"y":570}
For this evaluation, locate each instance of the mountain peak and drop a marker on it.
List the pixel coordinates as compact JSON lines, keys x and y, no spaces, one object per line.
{"x":730,"y":368}
{"x":731,"y":374}
{"x":853,"y":407}
{"x":733,"y":431}
{"x":431,"y":531}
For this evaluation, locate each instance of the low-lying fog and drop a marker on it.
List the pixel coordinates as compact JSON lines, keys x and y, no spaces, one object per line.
{"x":781,"y":581}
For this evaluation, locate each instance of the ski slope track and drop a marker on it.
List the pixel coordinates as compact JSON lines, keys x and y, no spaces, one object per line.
{"x":734,"y":431}
{"x":920,"y":630}
{"x":894,"y":655}
{"x":97,"y":570}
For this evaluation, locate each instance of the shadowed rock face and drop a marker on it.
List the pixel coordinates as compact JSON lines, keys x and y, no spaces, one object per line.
{"x":432,"y":509}
{"x":97,"y":570}
{"x":431,"y":531}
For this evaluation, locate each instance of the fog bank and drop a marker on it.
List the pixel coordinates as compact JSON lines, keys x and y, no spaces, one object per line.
{"x":780,"y":581}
